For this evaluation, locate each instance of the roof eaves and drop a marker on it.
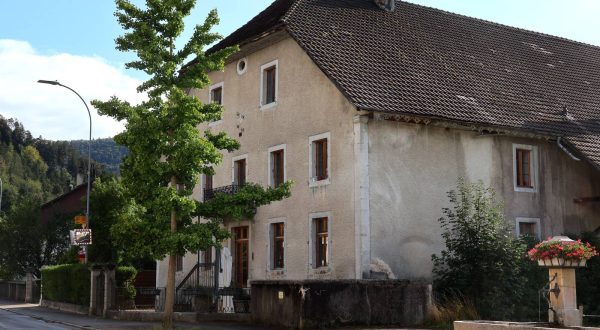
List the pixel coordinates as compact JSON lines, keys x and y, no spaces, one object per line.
{"x":477,"y":126}
{"x":247,"y":33}
{"x":56,"y":199}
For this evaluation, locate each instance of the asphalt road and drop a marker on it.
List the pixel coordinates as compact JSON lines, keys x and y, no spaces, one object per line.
{"x":15,"y":315}
{"x":10,"y":320}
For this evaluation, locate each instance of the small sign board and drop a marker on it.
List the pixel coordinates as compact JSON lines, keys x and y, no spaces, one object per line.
{"x":81,"y":237}
{"x":80,"y":220}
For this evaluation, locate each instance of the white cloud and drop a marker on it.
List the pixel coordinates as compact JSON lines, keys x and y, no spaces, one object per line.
{"x":52,"y":111}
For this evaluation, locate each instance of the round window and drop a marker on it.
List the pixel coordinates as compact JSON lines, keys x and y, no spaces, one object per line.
{"x":242,"y":65}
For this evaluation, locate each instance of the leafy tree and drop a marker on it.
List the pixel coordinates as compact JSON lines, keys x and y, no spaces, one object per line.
{"x":482,"y":260}
{"x":26,"y":244}
{"x":166,"y":150}
{"x":107,"y":200}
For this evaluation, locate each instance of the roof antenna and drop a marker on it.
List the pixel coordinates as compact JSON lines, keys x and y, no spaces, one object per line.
{"x":387,"y":5}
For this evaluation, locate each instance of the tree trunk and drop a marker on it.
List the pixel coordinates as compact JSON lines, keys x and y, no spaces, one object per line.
{"x":170,"y":291}
{"x":169,"y":295}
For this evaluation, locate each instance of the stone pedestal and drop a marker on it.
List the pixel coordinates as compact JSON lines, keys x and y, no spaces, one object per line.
{"x":110,"y":290}
{"x":28,"y":287}
{"x":564,"y":302}
{"x":94,"y":277}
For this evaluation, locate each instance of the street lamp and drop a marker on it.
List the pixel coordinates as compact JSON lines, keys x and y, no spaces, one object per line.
{"x":89,"y":169}
{"x":0,"y":194}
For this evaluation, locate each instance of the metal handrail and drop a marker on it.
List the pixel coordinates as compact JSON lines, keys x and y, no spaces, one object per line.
{"x":187,"y":277}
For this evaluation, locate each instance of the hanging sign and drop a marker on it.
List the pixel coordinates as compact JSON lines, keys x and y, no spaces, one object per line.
{"x":80,"y":220}
{"x":81,"y":237}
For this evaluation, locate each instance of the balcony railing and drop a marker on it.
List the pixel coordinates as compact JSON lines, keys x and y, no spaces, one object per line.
{"x":231,"y":189}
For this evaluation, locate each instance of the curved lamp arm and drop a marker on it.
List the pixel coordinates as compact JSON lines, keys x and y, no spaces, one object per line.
{"x":87,"y":206}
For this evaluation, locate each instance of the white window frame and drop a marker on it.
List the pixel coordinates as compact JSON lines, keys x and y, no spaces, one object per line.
{"x":311,"y":240}
{"x":233,"y":160}
{"x":263,"y":67}
{"x":210,"y":89}
{"x":536,"y":221}
{"x":312,"y":181}
{"x":270,"y":246}
{"x":270,"y":162}
{"x":534,"y":167}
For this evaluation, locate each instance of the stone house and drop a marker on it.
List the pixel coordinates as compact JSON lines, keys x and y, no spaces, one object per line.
{"x":374,"y":109}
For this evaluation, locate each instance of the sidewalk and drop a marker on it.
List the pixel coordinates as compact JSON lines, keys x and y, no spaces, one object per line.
{"x":77,"y":321}
{"x":72,"y":321}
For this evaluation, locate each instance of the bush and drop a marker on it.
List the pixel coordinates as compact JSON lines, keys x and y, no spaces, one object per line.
{"x":482,"y":260}
{"x":125,"y":279}
{"x":67,"y":283}
{"x":535,"y":278}
{"x":588,"y":281}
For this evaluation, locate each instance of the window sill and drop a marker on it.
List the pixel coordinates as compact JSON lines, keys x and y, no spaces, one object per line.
{"x":268,"y":106}
{"x":321,"y":270}
{"x":215,"y":123}
{"x":324,"y":182}
{"x":276,"y":272}
{"x":526,"y":189}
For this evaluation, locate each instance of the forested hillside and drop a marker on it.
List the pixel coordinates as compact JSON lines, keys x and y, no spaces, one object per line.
{"x":32,"y":168}
{"x":104,"y":151}
{"x":33,"y":171}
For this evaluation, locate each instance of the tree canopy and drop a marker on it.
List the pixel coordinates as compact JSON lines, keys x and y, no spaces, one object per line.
{"x":167,"y":152}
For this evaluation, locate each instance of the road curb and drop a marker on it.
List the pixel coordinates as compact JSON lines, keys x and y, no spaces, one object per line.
{"x":48,"y":321}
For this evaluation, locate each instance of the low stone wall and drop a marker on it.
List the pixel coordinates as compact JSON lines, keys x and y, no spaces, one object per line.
{"x":317,"y":303}
{"x":148,"y":316}
{"x":192,"y":317}
{"x":501,"y":325}
{"x":66,"y":307}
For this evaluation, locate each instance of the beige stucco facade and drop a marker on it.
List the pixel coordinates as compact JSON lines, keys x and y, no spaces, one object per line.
{"x":308,"y":104}
{"x":388,"y":179}
{"x":412,"y":166}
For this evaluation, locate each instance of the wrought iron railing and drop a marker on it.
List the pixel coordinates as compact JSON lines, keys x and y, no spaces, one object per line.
{"x":202,"y":275}
{"x":201,"y":281}
{"x":230,"y":189}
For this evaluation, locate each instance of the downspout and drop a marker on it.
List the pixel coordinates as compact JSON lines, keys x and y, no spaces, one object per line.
{"x":566,"y":151}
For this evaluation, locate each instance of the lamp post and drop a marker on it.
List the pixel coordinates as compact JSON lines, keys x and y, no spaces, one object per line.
{"x":89,"y":169}
{"x":0,"y":194}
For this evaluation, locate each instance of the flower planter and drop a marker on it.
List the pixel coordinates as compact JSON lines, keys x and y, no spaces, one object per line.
{"x":561,"y":262}
{"x":562,"y":252}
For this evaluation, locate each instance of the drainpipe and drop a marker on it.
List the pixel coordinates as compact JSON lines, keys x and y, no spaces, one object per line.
{"x":566,"y":151}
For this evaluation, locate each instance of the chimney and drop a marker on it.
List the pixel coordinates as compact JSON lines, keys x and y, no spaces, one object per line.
{"x":387,"y":5}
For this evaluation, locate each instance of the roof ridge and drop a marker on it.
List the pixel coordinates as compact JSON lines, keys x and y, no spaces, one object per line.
{"x":506,"y":26}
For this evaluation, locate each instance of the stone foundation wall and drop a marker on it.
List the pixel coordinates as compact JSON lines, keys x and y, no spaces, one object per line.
{"x":312,"y":303}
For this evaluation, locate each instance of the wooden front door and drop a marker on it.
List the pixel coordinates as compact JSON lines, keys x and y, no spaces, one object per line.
{"x":240,"y":256}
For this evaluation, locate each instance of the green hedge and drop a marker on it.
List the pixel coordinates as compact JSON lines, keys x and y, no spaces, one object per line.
{"x":67,"y":283}
{"x":125,"y":279}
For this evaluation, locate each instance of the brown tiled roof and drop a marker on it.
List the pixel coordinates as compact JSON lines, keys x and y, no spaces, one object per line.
{"x":426,"y":62}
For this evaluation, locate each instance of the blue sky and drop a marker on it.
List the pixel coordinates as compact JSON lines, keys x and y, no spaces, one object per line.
{"x":73,"y":41}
